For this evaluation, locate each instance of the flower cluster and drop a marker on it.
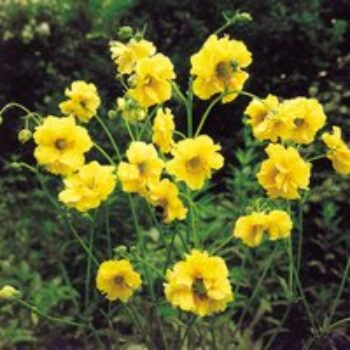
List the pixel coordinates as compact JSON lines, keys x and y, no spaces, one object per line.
{"x":164,"y":166}
{"x":251,"y":228}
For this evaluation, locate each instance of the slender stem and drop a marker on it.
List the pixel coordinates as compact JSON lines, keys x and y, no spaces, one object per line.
{"x":109,"y":135}
{"x":88,"y":263}
{"x":192,"y":226}
{"x":301,"y":234}
{"x":59,"y":209}
{"x":217,"y":100}
{"x":104,"y":153}
{"x":108,"y":232}
{"x":340,"y":291}
{"x":256,"y":289}
{"x":48,"y":317}
{"x":187,"y":331}
{"x":188,"y":107}
{"x":284,"y":318}
{"x":148,"y":276}
{"x":127,"y":125}
{"x":304,"y":300}
{"x":317,"y":157}
{"x":147,"y":122}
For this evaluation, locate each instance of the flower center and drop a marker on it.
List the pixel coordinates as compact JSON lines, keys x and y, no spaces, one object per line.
{"x":198,"y":288}
{"x":194,"y":164}
{"x":83,"y":104}
{"x":60,"y":144}
{"x":224,"y":70}
{"x":119,"y":280}
{"x":298,"y":122}
{"x":142,"y":168}
{"x":148,"y":80}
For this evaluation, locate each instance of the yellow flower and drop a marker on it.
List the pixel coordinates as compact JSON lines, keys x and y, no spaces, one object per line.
{"x":117,"y":280}
{"x":284,"y":172}
{"x":152,"y":80}
{"x":87,"y":188}
{"x":165,"y":195}
{"x":199,"y":284}
{"x":143,"y":168}
{"x":279,"y":224}
{"x":8,"y":292}
{"x":251,"y":228}
{"x":266,"y":121}
{"x":127,"y":55}
{"x":218,"y":67}
{"x":130,"y":110}
{"x":83,"y":101}
{"x":61,"y":145}
{"x":307,"y":117}
{"x":163,"y":129}
{"x":194,"y":159}
{"x":339,"y":152}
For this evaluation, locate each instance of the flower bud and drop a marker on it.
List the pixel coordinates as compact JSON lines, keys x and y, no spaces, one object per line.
{"x":112,"y":114}
{"x":125,"y":32}
{"x":8,"y":292}
{"x":120,"y":250}
{"x":24,"y":135}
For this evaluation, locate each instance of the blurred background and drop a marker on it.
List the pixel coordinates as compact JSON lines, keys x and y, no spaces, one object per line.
{"x":300,"y":47}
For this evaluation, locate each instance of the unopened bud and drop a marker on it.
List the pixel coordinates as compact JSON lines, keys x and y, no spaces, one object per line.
{"x":24,"y":135}
{"x":8,"y":292}
{"x":120,"y":250}
{"x":112,"y":114}
{"x":244,"y":17}
{"x":125,"y":32}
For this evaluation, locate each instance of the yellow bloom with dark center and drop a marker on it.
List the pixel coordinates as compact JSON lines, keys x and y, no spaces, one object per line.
{"x":87,"y":188}
{"x":251,"y":228}
{"x":218,"y":68}
{"x":127,"y":55}
{"x":339,"y":152}
{"x":307,"y":117}
{"x":163,"y":130}
{"x":284,"y":173}
{"x":83,"y":101}
{"x":165,"y":195}
{"x":194,"y":160}
{"x":130,"y":110}
{"x":199,"y":284}
{"x":151,"y":82}
{"x":117,"y":280}
{"x":143,"y":168}
{"x":279,"y":224}
{"x":61,"y":145}
{"x":266,"y":121}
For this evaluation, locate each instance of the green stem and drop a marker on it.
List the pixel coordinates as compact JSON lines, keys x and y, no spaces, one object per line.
{"x":88,"y":264}
{"x":187,"y":331}
{"x":317,"y":157}
{"x":109,"y":135}
{"x":127,"y":125}
{"x":48,"y":317}
{"x":104,"y":153}
{"x":301,"y":234}
{"x":59,"y":209}
{"x":340,"y":291}
{"x":256,"y":289}
{"x":148,"y":276}
{"x":217,"y":100}
{"x":188,"y":107}
{"x":108,"y":233}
